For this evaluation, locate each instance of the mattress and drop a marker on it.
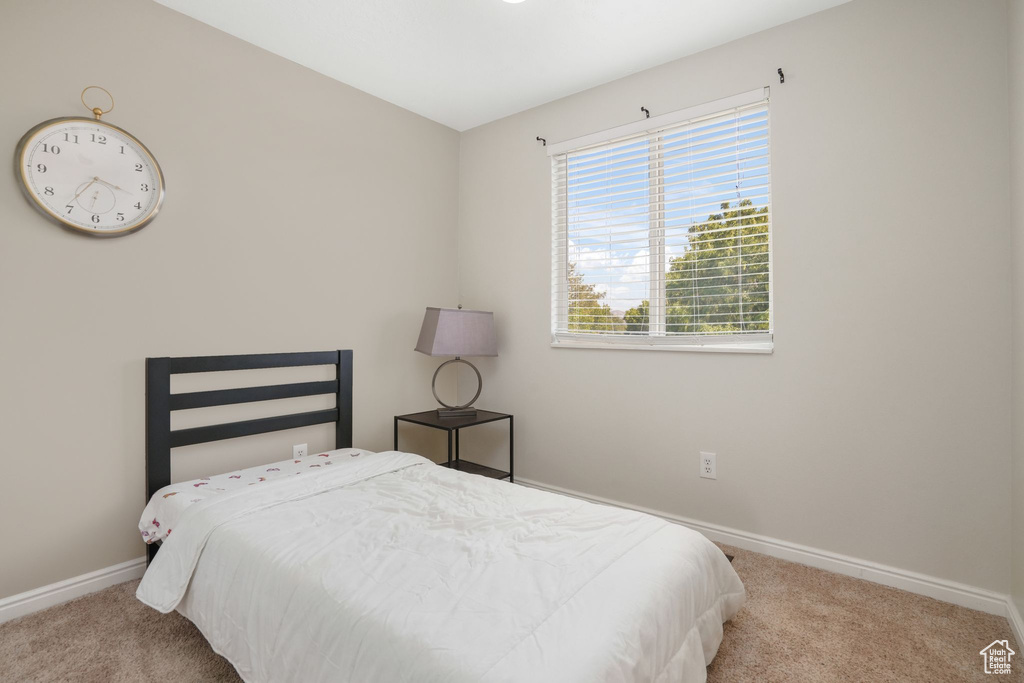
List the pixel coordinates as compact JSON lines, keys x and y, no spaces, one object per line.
{"x":385,"y":567}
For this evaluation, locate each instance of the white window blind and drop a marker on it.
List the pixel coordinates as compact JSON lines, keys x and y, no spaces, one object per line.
{"x":662,"y":230}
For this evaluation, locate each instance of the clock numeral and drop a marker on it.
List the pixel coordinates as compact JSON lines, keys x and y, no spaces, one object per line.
{"x":120,"y":216}
{"x":95,"y":218}
{"x":122,"y":149}
{"x":138,"y":167}
{"x":69,"y":207}
{"x":41,"y":168}
{"x":48,"y":191}
{"x":51,"y":149}
{"x":101,"y":139}
{"x":144,"y":187}
{"x":72,"y":138}
{"x":138,"y":206}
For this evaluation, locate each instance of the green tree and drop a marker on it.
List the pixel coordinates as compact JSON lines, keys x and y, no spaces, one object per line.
{"x":586,"y":312}
{"x":638,"y":319}
{"x":720,"y":285}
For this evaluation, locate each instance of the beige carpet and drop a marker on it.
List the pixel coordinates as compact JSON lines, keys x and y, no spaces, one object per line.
{"x":803,"y":624}
{"x":799,"y":624}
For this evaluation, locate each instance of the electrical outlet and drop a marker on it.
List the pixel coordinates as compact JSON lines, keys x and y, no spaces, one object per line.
{"x":708,"y":465}
{"x":300,"y":451}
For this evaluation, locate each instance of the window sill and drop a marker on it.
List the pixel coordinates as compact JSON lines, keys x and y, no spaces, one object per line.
{"x":762,"y":347}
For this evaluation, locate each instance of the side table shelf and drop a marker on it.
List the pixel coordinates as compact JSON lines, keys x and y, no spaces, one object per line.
{"x":453,"y":425}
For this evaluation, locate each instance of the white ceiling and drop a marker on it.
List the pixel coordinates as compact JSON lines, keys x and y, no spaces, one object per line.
{"x":467,"y":62}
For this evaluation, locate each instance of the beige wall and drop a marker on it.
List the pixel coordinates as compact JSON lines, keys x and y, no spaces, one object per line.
{"x":1016,"y":52}
{"x":880,"y":427}
{"x":287,"y":196}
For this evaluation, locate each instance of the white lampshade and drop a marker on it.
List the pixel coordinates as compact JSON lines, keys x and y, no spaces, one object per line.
{"x":457,"y":332}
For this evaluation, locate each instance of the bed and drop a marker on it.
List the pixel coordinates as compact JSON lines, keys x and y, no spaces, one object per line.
{"x":350,"y":565}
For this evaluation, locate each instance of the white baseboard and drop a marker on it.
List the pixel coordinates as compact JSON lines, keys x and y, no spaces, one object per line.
{"x":39,"y":599}
{"x":1016,"y":622}
{"x":913,"y":582}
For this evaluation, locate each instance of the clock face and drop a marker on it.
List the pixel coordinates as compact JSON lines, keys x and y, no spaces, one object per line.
{"x":90,"y":176}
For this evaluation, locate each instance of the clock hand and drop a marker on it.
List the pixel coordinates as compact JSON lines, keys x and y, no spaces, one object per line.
{"x":84,"y":189}
{"x":112,"y":185}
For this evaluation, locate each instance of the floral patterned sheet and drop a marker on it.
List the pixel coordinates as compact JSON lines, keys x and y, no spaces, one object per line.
{"x":165,"y":508}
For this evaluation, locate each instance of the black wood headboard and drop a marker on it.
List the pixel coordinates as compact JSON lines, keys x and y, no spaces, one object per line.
{"x":160,"y":403}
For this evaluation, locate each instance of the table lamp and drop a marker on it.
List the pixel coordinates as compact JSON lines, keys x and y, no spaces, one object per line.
{"x":456,"y":332}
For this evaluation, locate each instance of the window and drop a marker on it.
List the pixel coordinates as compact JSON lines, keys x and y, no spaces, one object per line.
{"x":662,"y":231}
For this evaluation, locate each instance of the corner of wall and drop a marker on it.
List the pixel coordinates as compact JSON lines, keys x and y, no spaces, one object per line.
{"x":1015,"y":73}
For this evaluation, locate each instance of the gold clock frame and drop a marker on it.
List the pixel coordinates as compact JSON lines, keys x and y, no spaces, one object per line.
{"x":19,"y":163}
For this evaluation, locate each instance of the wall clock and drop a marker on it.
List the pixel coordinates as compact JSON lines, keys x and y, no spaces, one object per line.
{"x":88,"y":175}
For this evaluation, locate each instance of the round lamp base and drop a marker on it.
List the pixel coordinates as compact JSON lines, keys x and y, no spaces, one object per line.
{"x":464,"y":410}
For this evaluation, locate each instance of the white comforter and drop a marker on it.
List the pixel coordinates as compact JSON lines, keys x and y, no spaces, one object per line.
{"x":392,"y":569}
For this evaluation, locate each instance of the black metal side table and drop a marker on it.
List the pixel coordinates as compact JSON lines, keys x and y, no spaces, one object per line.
{"x":452,"y":425}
